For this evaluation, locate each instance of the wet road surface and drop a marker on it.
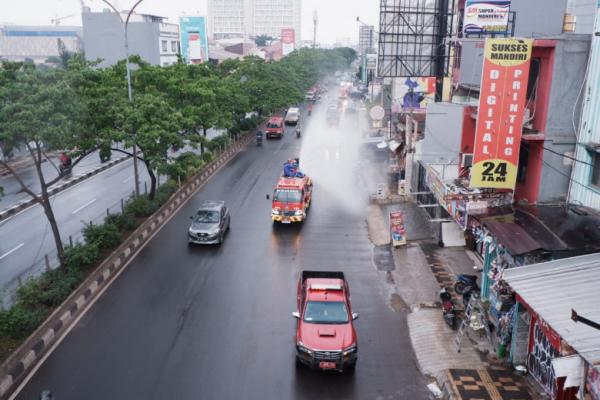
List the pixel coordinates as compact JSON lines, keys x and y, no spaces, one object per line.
{"x":187,"y":322}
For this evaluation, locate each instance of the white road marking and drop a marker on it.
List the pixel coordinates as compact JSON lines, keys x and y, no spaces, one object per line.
{"x":12,"y":251}
{"x":84,"y":206}
{"x":128,"y":179}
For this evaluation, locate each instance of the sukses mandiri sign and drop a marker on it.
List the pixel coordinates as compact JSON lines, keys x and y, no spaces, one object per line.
{"x":502,"y":101}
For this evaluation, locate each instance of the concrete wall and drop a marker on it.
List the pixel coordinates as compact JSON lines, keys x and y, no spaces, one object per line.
{"x":103,"y":38}
{"x":584,"y":12}
{"x":538,"y":18}
{"x":570,"y":59}
{"x":443,"y":131}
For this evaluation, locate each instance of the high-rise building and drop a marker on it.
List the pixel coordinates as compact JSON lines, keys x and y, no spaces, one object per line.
{"x":367,"y":40}
{"x":247,"y":18}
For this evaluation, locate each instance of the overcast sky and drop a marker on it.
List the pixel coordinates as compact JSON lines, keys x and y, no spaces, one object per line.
{"x":337,"y":18}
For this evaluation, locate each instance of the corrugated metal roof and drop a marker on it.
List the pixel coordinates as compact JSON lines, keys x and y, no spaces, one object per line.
{"x":552,"y":289}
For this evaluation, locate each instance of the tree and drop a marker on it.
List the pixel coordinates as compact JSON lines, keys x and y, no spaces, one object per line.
{"x":40,"y":111}
{"x":261,"y":40}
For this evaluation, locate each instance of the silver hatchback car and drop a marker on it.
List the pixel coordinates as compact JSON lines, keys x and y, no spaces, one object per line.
{"x":209,"y":225}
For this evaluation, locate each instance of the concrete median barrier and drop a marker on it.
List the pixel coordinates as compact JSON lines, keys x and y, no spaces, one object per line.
{"x":19,"y":365}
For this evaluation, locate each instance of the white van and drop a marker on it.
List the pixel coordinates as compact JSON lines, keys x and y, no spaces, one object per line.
{"x":293,"y":116}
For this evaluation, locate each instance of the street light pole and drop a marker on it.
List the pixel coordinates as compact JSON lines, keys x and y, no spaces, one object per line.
{"x":129,"y":91}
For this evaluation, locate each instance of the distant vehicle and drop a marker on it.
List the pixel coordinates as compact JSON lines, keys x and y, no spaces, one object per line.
{"x":325,"y":335}
{"x":274,"y":127}
{"x":292,"y":195}
{"x":209,"y":225}
{"x":292,"y":116}
{"x":333,"y":115}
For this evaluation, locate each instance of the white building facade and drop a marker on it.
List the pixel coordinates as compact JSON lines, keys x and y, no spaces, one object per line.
{"x":248,"y":18}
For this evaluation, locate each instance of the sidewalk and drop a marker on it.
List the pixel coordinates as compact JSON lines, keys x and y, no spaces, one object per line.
{"x":421,"y":269}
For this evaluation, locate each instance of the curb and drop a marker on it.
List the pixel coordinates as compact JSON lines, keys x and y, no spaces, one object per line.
{"x":16,"y":368}
{"x":22,"y":205}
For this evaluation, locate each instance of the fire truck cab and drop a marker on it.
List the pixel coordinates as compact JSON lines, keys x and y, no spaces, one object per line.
{"x":291,"y":198}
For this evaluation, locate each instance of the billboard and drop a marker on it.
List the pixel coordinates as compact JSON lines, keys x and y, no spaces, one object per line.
{"x":413,"y":93}
{"x":486,"y":16}
{"x":288,"y":40}
{"x":371,"y":61}
{"x":193,"y":39}
{"x":502,"y":100}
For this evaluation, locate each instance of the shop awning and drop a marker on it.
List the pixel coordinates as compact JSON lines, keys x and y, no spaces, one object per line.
{"x":552,"y":289}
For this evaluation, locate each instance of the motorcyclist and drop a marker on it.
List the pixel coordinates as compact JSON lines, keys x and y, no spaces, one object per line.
{"x":310,"y":107}
{"x":259,"y":137}
{"x":298,"y":129}
{"x":65,"y":162}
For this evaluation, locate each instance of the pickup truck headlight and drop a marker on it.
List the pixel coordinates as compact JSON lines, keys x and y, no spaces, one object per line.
{"x":298,"y":212}
{"x":275,"y":212}
{"x":350,"y":350}
{"x":303,"y":349}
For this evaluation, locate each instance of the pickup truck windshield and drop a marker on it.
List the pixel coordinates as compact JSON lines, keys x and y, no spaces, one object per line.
{"x":326,"y":312}
{"x":287,"y":196}
{"x":270,"y":125}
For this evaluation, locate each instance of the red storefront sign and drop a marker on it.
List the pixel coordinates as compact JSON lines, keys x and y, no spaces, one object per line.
{"x":500,"y":117}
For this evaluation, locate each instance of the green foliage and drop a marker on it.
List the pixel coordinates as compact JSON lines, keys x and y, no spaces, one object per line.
{"x":105,"y":236}
{"x":218,"y":143}
{"x":164,"y":192}
{"x":261,"y":40}
{"x":18,"y":321}
{"x":124,"y":221}
{"x":140,"y":206}
{"x":81,"y":256}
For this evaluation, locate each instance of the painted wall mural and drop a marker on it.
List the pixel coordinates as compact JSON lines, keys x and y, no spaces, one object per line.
{"x":539,"y":361}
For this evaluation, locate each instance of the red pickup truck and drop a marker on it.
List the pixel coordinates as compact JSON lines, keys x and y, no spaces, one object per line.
{"x":325,"y":335}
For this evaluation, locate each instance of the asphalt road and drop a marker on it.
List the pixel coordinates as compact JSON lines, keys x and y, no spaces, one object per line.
{"x":26,"y":237}
{"x":12,"y":189}
{"x":187,"y":322}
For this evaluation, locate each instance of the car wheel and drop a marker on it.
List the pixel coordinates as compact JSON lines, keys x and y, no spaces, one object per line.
{"x":350,"y":368}
{"x":298,"y":363}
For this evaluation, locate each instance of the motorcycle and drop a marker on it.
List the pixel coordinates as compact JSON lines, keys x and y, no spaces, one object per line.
{"x":465,"y":280}
{"x":448,"y":309}
{"x":259,"y":138}
{"x":298,"y":132}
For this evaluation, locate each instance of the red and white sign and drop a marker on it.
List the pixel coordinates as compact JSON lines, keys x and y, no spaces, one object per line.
{"x":288,"y":40}
{"x":502,"y":101}
{"x":194,"y":48}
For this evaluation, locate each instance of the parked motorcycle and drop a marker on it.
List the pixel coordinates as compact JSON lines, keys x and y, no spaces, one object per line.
{"x":448,"y":309}
{"x":465,"y":280}
{"x":467,"y":285}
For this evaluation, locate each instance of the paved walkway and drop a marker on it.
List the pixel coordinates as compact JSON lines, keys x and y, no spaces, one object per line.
{"x":421,"y":269}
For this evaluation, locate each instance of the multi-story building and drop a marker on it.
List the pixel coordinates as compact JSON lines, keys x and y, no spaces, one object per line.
{"x":38,"y":43}
{"x":585,"y":183}
{"x":149,"y":36}
{"x":367,"y":39}
{"x":246,"y":18}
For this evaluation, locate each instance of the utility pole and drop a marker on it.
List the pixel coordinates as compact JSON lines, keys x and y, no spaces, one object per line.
{"x":440,"y":49}
{"x":314,"y":29}
{"x":129,"y":91}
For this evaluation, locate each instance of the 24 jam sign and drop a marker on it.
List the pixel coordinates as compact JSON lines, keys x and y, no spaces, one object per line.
{"x":500,"y":116}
